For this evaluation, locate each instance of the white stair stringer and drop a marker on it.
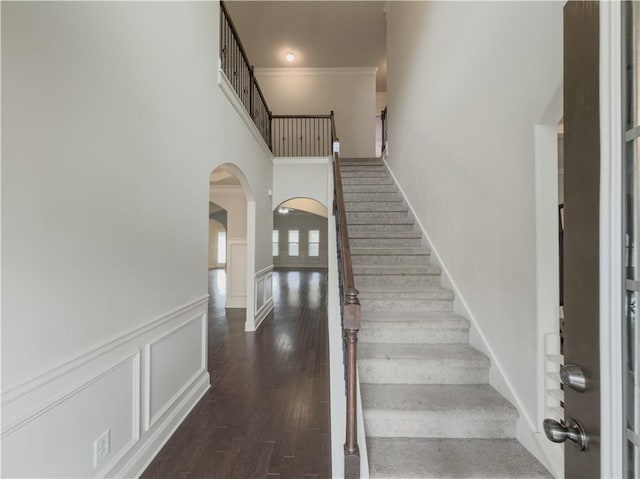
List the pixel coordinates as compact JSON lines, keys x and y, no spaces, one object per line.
{"x":428,"y":409}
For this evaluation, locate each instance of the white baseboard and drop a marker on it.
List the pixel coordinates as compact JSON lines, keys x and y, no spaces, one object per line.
{"x":526,"y":431}
{"x":163,"y":431}
{"x":263,"y":298}
{"x":263,"y":313}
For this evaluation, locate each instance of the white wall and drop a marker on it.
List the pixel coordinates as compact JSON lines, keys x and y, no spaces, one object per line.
{"x":349,"y":92}
{"x":111,"y":129}
{"x":467,"y":83}
{"x":381,"y":101}
{"x":301,"y":178}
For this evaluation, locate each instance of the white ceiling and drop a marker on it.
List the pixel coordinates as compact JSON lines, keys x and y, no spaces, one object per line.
{"x":320,"y":34}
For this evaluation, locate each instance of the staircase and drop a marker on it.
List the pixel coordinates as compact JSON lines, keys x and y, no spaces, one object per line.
{"x":428,"y":408}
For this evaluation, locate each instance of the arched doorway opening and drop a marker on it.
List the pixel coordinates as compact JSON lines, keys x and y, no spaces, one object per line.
{"x":232,"y":207}
{"x":300,"y":234}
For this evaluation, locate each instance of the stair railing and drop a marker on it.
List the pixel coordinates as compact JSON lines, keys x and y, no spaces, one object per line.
{"x":302,"y":135}
{"x":351,"y":316}
{"x":240,"y":73}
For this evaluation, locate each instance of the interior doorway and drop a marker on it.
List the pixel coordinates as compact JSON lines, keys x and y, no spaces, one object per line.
{"x":232,"y":238}
{"x":300,"y":235}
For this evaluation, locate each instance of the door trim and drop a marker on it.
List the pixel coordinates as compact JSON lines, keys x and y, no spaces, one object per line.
{"x":611,"y":292}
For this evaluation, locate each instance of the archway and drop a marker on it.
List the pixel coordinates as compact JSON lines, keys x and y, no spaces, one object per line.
{"x":300,"y":234}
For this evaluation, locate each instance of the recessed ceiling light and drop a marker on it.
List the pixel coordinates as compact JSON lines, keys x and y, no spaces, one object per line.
{"x":290,"y":57}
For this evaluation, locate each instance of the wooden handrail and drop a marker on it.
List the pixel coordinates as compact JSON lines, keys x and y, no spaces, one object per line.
{"x":351,"y":318}
{"x":302,"y":116}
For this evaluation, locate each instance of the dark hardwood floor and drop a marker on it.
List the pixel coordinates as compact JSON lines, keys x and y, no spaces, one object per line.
{"x":267,"y":412}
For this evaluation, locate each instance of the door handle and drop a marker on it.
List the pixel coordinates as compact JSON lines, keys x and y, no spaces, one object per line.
{"x":573,"y":377}
{"x":558,"y":432}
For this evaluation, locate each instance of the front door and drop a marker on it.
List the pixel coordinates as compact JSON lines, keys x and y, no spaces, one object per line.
{"x":581,"y":372}
{"x":581,"y":238}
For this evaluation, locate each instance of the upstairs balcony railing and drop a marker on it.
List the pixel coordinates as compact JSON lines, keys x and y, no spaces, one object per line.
{"x":302,"y":135}
{"x":305,"y":135}
{"x":240,"y":73}
{"x":285,"y":135}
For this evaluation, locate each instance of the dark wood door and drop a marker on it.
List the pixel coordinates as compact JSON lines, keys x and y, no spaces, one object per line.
{"x":581,"y":234}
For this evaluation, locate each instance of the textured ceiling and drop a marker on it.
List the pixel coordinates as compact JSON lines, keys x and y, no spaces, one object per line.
{"x":320,"y":34}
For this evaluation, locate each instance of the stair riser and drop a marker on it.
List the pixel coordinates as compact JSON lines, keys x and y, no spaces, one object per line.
{"x":358,"y":168}
{"x":359,"y":230}
{"x":389,"y":218}
{"x":372,"y":334}
{"x":361,"y":161}
{"x":371,"y":162}
{"x":401,"y":270}
{"x":381,"y":260}
{"x":391,"y":188}
{"x":396,"y":280}
{"x":375,"y":206}
{"x":364,"y":174}
{"x":350,"y":197}
{"x":451,"y":424}
{"x":409,"y":305}
{"x":385,"y":242}
{"x":358,"y":180}
{"x":412,"y":371}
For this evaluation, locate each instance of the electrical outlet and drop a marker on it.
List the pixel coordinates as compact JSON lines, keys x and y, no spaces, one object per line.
{"x":101,"y":447}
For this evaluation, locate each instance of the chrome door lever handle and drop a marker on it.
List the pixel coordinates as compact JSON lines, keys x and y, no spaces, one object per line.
{"x":557,"y":432}
{"x":573,"y":377}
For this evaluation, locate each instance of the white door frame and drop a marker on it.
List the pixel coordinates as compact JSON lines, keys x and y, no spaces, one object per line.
{"x":611,"y":318}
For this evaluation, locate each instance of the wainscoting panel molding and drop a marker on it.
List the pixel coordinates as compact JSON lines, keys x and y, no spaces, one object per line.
{"x":150,"y":376}
{"x":263,"y":294}
{"x":45,"y":443}
{"x":165,"y":378}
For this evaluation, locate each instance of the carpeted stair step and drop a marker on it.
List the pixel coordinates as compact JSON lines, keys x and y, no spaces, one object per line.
{"x":365,"y":188}
{"x":378,"y":229}
{"x":384,"y":217}
{"x":358,"y":180}
{"x":408,"y":327}
{"x":361,"y":161}
{"x":421,"y":364}
{"x":375,"y":206}
{"x":370,"y":196}
{"x":362,"y":167}
{"x":435,"y":458}
{"x":390,"y":256}
{"x":411,"y":276}
{"x":431,"y":298}
{"x":437,"y":410}
{"x":364,"y":174}
{"x":386,"y":242}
